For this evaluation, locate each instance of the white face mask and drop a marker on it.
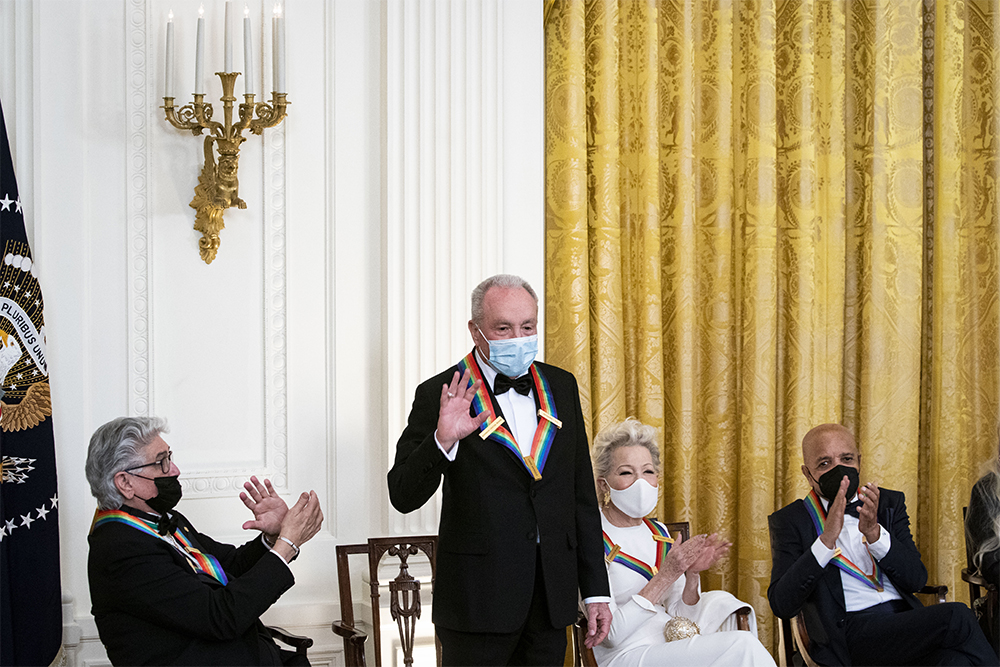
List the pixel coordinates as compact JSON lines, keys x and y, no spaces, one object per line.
{"x":638,"y":500}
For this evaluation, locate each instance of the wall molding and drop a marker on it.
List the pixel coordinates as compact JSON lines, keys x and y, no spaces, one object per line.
{"x":444,"y":192}
{"x":275,"y":303}
{"x":142,"y":111}
{"x":139,"y":110}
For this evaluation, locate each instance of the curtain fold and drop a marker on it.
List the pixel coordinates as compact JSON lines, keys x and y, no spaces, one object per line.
{"x":764,"y":215}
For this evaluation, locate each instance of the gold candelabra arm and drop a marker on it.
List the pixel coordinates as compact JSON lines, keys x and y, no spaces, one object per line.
{"x":183,"y":118}
{"x":269,"y":115}
{"x":204,"y":112}
{"x":195,"y":117}
{"x":246,"y":113}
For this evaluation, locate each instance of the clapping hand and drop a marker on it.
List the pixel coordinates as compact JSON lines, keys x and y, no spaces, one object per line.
{"x":267,"y":506}
{"x":835,"y":516}
{"x":868,"y":512}
{"x":303,"y":519}
{"x":682,"y":556}
{"x":454,"y":422}
{"x":715,"y":548}
{"x":301,"y":522}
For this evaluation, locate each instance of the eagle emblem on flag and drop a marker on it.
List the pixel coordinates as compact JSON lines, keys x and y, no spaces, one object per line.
{"x":25,"y":400}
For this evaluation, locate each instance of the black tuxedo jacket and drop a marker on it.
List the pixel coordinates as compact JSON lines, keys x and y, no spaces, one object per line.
{"x":799,"y":583}
{"x":493,"y":513}
{"x":151,"y":608}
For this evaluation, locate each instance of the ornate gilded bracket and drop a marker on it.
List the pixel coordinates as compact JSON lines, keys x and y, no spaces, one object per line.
{"x":218,"y":185}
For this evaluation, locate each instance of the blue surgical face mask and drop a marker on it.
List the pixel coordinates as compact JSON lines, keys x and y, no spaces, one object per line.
{"x":512,"y":356}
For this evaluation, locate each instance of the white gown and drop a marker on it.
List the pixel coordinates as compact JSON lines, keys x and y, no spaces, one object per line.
{"x":636,"y":636}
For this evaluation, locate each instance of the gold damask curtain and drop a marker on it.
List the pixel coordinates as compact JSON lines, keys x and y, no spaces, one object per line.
{"x":763,"y":215}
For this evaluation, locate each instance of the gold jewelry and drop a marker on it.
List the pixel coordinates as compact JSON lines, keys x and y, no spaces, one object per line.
{"x":606,"y":498}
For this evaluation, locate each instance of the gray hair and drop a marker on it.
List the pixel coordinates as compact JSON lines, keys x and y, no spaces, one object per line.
{"x":628,"y":433}
{"x":501,"y":280}
{"x":987,"y":517}
{"x":114,"y":447}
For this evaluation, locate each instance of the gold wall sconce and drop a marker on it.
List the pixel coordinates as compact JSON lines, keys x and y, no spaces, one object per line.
{"x":218,"y":185}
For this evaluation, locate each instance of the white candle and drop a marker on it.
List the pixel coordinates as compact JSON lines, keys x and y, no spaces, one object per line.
{"x":199,"y":55}
{"x":170,"y":56}
{"x":274,"y":49}
{"x":279,"y":51}
{"x":229,"y":35}
{"x":247,"y":52}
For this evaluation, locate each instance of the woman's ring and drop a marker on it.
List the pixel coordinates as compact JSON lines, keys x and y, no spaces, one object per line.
{"x":451,"y":395}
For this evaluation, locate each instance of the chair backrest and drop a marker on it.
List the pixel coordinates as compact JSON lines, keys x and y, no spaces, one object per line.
{"x":404,"y":592}
{"x":968,"y":574}
{"x":968,"y":550}
{"x":682,"y":527}
{"x":984,"y":598}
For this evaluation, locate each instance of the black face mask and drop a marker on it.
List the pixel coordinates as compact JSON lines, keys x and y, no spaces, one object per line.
{"x":829,"y":482}
{"x":168,"y":494}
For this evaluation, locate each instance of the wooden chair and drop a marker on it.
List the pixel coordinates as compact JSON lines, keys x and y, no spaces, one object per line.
{"x":298,"y":642}
{"x":404,"y":595}
{"x":794,"y":638}
{"x":584,"y":657}
{"x":983,"y":595}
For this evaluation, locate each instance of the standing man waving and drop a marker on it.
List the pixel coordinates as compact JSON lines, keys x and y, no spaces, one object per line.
{"x":520,"y":530}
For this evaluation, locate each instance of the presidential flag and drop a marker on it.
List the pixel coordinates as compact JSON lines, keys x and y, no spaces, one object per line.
{"x":30,"y":597}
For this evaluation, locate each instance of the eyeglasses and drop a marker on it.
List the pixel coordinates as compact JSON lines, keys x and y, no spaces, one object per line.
{"x":164,"y":463}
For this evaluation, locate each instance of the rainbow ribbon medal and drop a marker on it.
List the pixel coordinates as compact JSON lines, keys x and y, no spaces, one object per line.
{"x":614,"y":554}
{"x":199,"y":561}
{"x":818,"y":516}
{"x":493,"y":428}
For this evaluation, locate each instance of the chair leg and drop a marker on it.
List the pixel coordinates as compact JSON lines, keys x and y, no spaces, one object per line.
{"x":743,"y":619}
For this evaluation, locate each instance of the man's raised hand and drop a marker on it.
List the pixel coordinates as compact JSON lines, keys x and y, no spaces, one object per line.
{"x":454,"y":422}
{"x":267,"y":506}
{"x":835,"y":516}
{"x":868,"y":513}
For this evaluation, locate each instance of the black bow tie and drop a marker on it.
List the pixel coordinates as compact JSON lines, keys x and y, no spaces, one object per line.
{"x":521,"y":385}
{"x":167,"y":524}
{"x":854,"y":508}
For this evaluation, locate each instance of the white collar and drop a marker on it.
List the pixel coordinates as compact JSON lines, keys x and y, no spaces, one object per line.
{"x":826,"y":503}
{"x":489,"y":373}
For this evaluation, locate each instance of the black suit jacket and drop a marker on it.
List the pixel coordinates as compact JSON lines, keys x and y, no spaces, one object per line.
{"x":493,"y":511}
{"x":151,"y":608}
{"x":799,"y":583}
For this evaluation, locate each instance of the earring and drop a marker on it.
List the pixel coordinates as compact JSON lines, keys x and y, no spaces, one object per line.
{"x":606,"y":498}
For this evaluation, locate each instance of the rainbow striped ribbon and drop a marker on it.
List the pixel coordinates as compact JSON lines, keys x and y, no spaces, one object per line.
{"x":548,"y":422}
{"x":199,"y":561}
{"x":614,"y":554}
{"x":818,"y":516}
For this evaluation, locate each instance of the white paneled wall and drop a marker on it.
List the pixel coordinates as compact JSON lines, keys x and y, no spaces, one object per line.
{"x":409,"y":168}
{"x":455,"y":134}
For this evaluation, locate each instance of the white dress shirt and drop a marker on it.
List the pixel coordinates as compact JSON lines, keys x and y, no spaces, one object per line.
{"x":858,"y":596}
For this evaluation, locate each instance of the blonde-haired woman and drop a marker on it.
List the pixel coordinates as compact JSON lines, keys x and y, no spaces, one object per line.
{"x":982,"y":526}
{"x":655,"y":584}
